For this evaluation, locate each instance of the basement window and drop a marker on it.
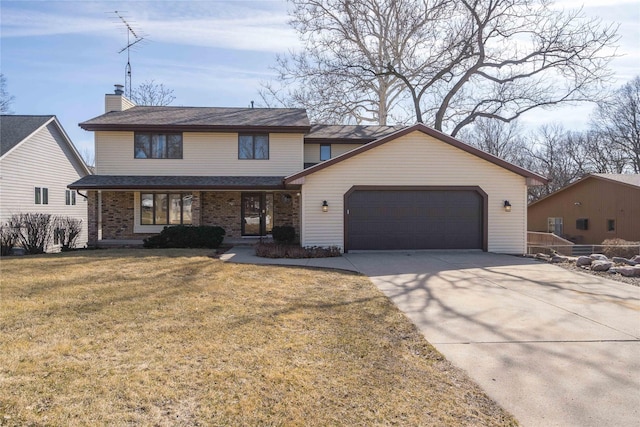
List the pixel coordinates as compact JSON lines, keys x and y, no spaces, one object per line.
{"x":611,"y":225}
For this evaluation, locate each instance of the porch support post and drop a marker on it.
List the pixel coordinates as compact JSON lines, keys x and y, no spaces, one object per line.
{"x":92,"y":218}
{"x":196,"y":208}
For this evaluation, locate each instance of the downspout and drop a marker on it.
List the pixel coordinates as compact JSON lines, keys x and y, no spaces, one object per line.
{"x":79,"y":193}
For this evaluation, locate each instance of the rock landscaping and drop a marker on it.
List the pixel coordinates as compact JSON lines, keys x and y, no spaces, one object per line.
{"x":623,"y":269}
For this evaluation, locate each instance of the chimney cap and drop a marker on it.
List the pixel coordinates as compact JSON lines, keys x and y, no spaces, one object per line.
{"x":119,"y":89}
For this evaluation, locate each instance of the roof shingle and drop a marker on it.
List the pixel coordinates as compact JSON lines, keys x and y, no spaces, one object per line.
{"x":15,"y":128}
{"x":348,"y":133}
{"x":201,"y":118}
{"x":147,"y":182}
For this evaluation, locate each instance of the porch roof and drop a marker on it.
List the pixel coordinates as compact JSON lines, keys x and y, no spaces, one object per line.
{"x":146,"y":182}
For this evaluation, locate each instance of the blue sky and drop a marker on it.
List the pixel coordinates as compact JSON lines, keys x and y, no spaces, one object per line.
{"x":61,"y":57}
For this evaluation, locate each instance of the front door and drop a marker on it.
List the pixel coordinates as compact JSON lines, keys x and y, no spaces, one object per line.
{"x":257,"y":214}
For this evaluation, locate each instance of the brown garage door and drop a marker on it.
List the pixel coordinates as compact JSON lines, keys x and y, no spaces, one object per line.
{"x":414,"y":219}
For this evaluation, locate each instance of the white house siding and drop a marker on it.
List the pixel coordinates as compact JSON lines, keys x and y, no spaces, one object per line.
{"x":415,"y":159}
{"x":43,"y":161}
{"x":203,"y":154}
{"x":312,"y":151}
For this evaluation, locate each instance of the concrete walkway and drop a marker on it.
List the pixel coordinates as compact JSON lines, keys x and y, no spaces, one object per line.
{"x":553,"y":347}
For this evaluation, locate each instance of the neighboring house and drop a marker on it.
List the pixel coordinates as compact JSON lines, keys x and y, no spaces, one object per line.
{"x":595,"y":208}
{"x":37,"y":163}
{"x":244,"y":169}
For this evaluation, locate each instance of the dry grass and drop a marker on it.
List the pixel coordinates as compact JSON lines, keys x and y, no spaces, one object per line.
{"x":173,"y":337}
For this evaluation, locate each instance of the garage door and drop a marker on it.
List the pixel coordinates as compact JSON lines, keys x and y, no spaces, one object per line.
{"x":414,"y":219}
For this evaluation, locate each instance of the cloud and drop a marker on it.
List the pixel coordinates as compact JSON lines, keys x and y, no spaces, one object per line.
{"x":207,"y":24}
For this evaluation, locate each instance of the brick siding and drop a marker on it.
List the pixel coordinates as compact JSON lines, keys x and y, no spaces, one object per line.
{"x":208,"y":208}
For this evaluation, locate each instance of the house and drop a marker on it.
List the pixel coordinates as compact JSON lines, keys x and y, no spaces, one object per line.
{"x":591,"y":210}
{"x":37,"y":162}
{"x":244,"y":169}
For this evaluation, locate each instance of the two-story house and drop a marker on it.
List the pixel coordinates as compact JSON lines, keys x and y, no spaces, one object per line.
{"x":249,"y":169}
{"x":37,"y":163}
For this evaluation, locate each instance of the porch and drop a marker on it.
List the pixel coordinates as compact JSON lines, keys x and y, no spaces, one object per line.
{"x":124,"y":218}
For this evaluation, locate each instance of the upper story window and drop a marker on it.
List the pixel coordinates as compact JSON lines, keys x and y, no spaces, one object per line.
{"x":253,"y":147}
{"x":157,"y":145}
{"x":325,"y":152}
{"x":41,"y":196}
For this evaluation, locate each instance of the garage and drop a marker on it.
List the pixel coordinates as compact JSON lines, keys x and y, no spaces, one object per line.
{"x":415,"y":218}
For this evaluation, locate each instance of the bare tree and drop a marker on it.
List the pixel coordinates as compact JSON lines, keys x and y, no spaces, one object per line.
{"x":550,"y":153}
{"x":341,"y":75}
{"x":618,"y":121}
{"x":5,"y":98}
{"x":593,"y":153}
{"x":504,"y":140}
{"x":454,"y":61}
{"x":88,"y":156}
{"x":151,"y":93}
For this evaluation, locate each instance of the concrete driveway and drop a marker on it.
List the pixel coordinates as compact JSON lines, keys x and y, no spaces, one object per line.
{"x":553,"y":347}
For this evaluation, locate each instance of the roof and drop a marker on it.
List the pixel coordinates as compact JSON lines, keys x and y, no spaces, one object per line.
{"x":623,"y":178}
{"x":631,"y":180}
{"x":534,"y":178}
{"x":333,"y":134}
{"x":145,"y":182}
{"x":14,"y":129}
{"x":202,"y":118}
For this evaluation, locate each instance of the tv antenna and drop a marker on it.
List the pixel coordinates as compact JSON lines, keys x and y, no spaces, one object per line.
{"x":127,"y":68}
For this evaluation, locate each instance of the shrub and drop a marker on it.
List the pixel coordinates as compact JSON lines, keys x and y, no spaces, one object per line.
{"x":68,"y":230}
{"x":283,"y":233}
{"x":33,"y":231}
{"x":278,"y":250}
{"x":8,"y":239}
{"x":620,"y":248}
{"x":187,"y":236}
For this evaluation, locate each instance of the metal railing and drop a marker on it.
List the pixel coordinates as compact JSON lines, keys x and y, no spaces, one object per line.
{"x":625,"y":251}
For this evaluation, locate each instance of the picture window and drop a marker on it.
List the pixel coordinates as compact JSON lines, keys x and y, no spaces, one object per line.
{"x":165,"y":208}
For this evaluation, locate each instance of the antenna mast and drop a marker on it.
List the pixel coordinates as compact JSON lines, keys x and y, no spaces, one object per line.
{"x":127,"y":68}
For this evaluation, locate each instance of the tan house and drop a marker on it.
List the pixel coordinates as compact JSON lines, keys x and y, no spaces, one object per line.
{"x":591,"y":210}
{"x":247,"y":170}
{"x":37,"y":162}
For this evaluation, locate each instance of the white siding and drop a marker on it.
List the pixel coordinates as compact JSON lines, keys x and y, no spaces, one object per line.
{"x":312,"y":151}
{"x":204,"y":153}
{"x":41,"y":161}
{"x":415,"y":160}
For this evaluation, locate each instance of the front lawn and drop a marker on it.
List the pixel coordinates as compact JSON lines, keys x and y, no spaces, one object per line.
{"x":174,"y":337}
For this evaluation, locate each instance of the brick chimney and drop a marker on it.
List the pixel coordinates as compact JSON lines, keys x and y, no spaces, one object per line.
{"x":116,"y":101}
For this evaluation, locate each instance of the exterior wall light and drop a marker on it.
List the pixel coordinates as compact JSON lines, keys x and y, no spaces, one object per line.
{"x":507,"y":206}
{"x":325,"y":206}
